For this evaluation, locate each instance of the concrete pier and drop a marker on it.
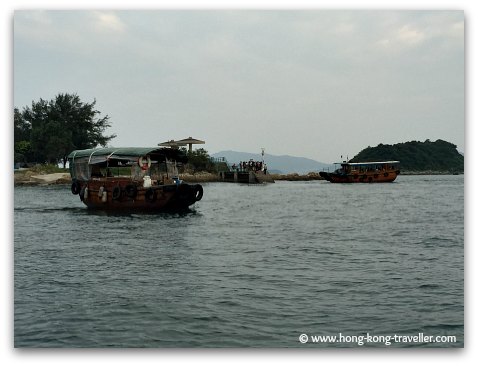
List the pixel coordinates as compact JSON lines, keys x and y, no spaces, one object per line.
{"x":245,"y":177}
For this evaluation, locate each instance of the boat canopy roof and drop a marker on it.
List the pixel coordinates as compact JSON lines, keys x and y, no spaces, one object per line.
{"x":96,"y":155}
{"x":371,"y":163}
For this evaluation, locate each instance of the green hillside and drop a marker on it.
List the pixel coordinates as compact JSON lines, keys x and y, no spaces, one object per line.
{"x":438,"y":156}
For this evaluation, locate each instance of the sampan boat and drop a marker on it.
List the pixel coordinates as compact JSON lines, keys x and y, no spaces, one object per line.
{"x":367,"y":172}
{"x":132,"y":178}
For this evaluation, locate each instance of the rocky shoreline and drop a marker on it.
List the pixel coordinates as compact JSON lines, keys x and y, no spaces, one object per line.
{"x":31,"y":178}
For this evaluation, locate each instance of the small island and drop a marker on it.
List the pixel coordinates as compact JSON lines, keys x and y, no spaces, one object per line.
{"x":439,"y":157}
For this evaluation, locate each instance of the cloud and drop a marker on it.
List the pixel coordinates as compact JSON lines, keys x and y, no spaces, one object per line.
{"x":34,"y":24}
{"x":67,"y":31}
{"x":410,"y":35}
{"x":405,"y":37}
{"x":457,"y":29}
{"x":38,"y":17}
{"x":433,"y":29}
{"x":221,"y":73}
{"x":345,"y":28}
{"x":108,"y":22}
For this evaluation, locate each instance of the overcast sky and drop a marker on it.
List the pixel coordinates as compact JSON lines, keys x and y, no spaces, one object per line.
{"x":311,"y":83}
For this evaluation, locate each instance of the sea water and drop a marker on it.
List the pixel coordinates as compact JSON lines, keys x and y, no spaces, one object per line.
{"x":290,"y":264}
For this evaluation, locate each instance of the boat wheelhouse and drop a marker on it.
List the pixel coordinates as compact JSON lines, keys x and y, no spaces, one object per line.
{"x":144,"y":178}
{"x":366,"y":172}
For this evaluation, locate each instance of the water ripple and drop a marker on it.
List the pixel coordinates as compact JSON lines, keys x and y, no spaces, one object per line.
{"x":246,"y":267}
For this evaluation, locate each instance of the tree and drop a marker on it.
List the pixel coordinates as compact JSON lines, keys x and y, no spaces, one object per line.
{"x":417,"y":156}
{"x":198,"y":160}
{"x":63,"y":124}
{"x":21,"y":129}
{"x":21,"y":136}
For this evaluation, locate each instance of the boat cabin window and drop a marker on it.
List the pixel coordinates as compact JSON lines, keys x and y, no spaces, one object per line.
{"x":96,"y":172}
{"x":158,"y":166}
{"x":79,"y":171}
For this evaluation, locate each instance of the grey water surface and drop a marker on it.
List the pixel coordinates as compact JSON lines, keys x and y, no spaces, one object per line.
{"x":248,"y":266}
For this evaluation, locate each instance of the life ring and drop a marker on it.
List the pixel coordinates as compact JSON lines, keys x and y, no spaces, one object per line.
{"x":144,"y":162}
{"x":75,"y":187}
{"x":150,"y":195}
{"x":198,"y":192}
{"x":116,"y":194}
{"x":131,"y":190}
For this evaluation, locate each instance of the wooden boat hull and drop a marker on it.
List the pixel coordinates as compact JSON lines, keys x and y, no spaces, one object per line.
{"x":127,"y":195}
{"x":367,"y":177}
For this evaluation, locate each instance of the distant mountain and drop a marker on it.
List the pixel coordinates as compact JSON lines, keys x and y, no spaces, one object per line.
{"x":440,"y":156}
{"x":283,"y":164}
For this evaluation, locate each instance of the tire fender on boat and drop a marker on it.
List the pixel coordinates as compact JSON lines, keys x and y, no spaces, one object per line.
{"x":131,"y":190}
{"x":116,"y":194}
{"x":75,"y":187}
{"x":198,"y":192}
{"x":84,"y":193}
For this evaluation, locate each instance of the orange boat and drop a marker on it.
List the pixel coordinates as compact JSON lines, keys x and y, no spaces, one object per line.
{"x":132,"y":178}
{"x":367,"y":172}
